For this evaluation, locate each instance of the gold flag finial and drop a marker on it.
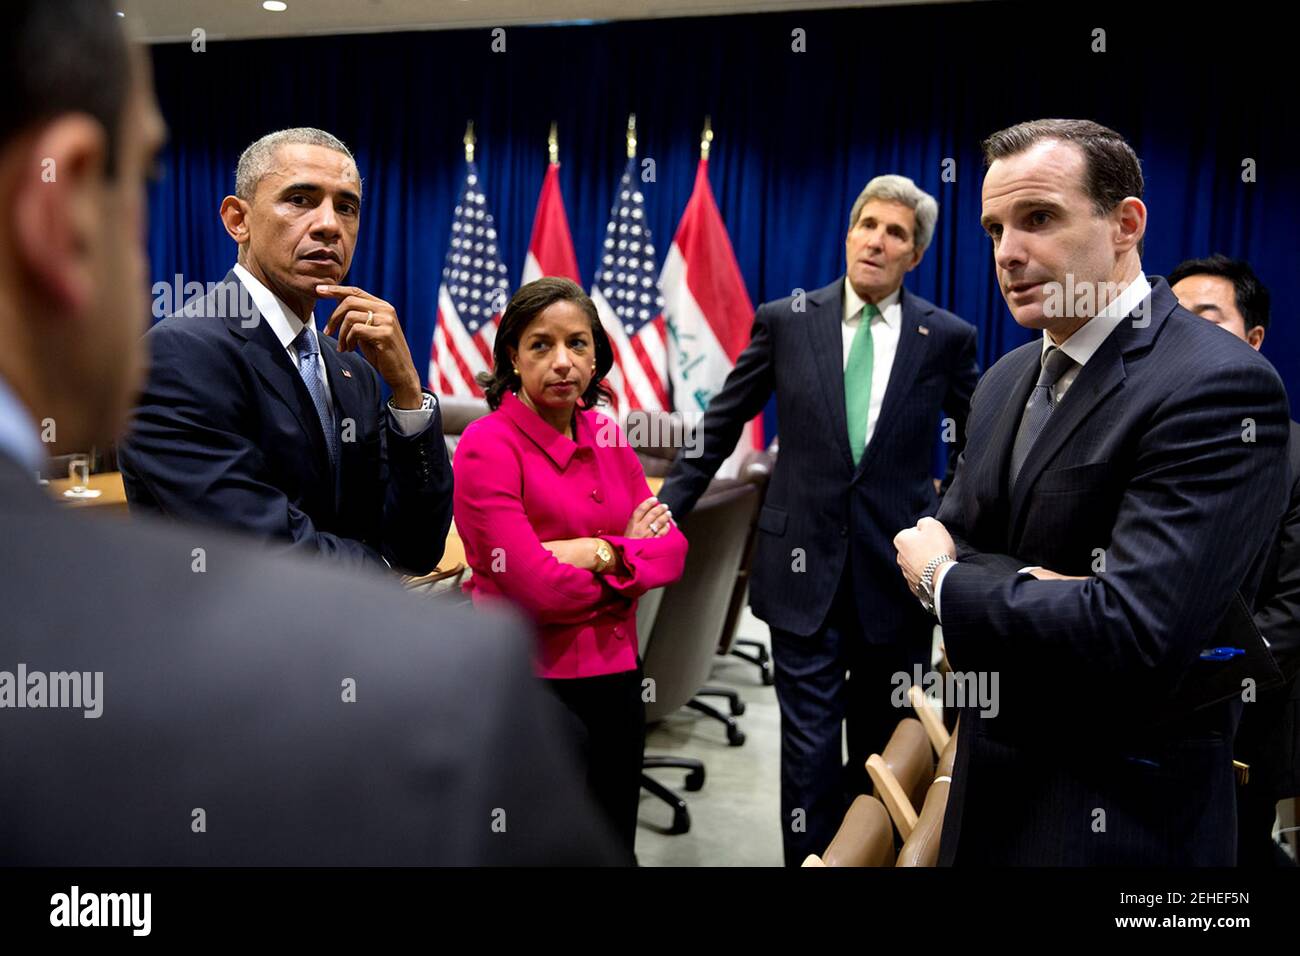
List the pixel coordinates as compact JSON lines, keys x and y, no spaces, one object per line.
{"x":631,"y":135}
{"x":706,"y":138}
{"x":469,"y":142}
{"x":553,"y":143}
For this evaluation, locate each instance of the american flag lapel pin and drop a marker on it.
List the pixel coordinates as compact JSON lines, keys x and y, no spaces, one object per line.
{"x":923,"y":330}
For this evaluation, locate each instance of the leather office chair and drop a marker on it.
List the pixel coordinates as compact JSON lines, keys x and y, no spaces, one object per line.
{"x":679,"y":654}
{"x":947,"y":758}
{"x":903,"y":773}
{"x":437,"y":581}
{"x":931,"y":718}
{"x":865,"y":838}
{"x":457,"y":414}
{"x":757,"y":469}
{"x":656,"y":437}
{"x":921,"y":848}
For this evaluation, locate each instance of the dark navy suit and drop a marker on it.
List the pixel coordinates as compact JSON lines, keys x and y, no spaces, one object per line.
{"x":825,"y":576}
{"x":225,"y":433}
{"x":1137,"y":484}
{"x":226,"y":692}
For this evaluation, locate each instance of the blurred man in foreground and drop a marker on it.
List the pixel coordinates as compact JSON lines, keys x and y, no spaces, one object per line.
{"x":173,"y":697}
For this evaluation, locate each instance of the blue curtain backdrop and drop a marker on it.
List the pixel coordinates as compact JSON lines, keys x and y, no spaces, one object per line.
{"x":797,"y":135}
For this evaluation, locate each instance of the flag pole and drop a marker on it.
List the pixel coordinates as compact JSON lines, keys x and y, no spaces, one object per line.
{"x":469,"y":142}
{"x":631,"y":136}
{"x":553,"y":144}
{"x":706,"y":138}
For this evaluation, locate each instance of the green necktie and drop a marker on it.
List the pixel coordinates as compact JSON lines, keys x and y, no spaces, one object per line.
{"x":857,"y":382}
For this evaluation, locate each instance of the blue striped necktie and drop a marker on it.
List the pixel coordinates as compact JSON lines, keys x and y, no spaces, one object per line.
{"x":306,"y":347}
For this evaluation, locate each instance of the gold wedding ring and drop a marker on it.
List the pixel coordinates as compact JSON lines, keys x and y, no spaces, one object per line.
{"x":370,"y":318}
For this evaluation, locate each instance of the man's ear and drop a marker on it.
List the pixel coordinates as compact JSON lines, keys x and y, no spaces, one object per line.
{"x":1131,"y":223}
{"x":1255,"y":337}
{"x":58,"y":208}
{"x":234,"y":216}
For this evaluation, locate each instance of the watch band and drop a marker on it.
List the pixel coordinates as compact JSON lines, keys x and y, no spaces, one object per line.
{"x":927,"y":580}
{"x":605,"y":554}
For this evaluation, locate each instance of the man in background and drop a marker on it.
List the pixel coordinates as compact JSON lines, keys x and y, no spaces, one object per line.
{"x":254,"y":420}
{"x":1229,"y":294}
{"x":186,"y":698}
{"x":862,"y":378}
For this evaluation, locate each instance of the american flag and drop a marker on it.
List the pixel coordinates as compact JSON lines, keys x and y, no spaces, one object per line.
{"x":627,"y":297}
{"x":473,"y":294}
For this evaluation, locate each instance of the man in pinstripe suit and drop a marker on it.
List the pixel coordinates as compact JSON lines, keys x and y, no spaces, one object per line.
{"x":1091,"y":542}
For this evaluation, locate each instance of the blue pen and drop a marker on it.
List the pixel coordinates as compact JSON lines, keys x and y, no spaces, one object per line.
{"x":1221,"y":653}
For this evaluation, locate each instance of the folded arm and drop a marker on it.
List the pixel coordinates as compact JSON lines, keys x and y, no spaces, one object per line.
{"x":500,"y":542}
{"x":644,"y":563}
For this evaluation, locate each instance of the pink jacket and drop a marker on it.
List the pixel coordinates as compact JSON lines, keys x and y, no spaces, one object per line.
{"x":519,"y":482}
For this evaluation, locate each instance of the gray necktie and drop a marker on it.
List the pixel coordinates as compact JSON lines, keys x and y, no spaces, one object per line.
{"x":305,"y":345}
{"x":1038,"y":409}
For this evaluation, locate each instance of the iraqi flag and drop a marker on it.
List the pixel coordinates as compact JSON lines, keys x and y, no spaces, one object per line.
{"x":708,"y":311}
{"x":550,"y":250}
{"x":471,"y":298}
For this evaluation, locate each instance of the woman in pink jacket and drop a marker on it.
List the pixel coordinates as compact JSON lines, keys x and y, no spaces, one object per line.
{"x":556,"y":517}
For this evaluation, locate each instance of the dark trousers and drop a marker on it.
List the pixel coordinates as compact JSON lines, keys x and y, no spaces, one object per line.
{"x":609,"y":733}
{"x":823,"y":681}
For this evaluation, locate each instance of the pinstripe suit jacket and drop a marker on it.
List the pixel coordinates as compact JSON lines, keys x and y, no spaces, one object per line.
{"x":1139,"y":482}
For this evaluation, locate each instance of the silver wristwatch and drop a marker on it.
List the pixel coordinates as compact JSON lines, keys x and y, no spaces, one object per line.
{"x":927,"y":581}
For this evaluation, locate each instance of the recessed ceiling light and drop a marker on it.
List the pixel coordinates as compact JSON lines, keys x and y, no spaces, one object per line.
{"x":275,"y":6}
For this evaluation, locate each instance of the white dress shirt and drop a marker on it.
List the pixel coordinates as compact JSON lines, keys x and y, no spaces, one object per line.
{"x":286,"y":325}
{"x":885,"y":330}
{"x":1081,"y":346}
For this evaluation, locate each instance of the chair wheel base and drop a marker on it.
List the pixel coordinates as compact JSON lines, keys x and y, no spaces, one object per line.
{"x":681,"y":823}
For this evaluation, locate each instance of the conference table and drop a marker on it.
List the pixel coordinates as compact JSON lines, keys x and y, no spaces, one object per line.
{"x":112,"y":500}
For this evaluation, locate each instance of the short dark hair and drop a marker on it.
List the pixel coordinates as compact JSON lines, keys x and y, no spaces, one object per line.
{"x":63,"y":56}
{"x":1111,"y":170}
{"x":526,"y":305}
{"x":1251,"y":295}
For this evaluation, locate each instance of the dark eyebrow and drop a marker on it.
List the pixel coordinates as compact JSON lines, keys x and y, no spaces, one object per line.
{"x":1049,"y":204}
{"x":347,"y":194}
{"x":1025,"y":205}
